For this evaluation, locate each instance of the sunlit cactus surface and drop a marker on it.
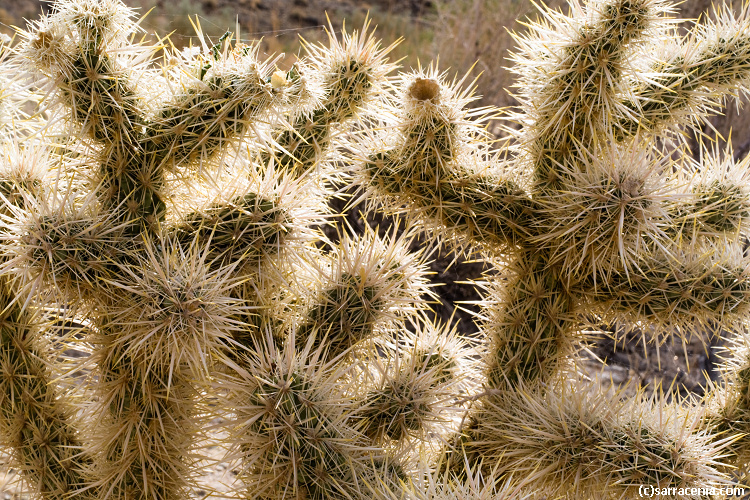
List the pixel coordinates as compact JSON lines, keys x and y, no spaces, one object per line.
{"x":178,"y":296}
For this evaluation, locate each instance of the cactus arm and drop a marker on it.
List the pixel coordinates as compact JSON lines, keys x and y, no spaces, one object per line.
{"x":36,"y":424}
{"x":306,"y":143}
{"x":414,"y":396}
{"x":307,"y":140}
{"x":482,"y":208}
{"x":442,"y":176}
{"x":716,"y":203}
{"x":529,"y":324}
{"x":350,"y":73}
{"x":692,"y":81}
{"x":74,"y":254}
{"x":246,"y":228}
{"x":345,"y":314}
{"x":728,"y":404}
{"x":294,"y":431}
{"x":200,"y":120}
{"x":487,"y":210}
{"x":146,"y":431}
{"x":72,"y":47}
{"x":681,"y":289}
{"x":214,"y":107}
{"x":76,"y":48}
{"x":101,"y":100}
{"x":570,"y":72}
{"x":585,"y":443}
{"x":360,"y":291}
{"x":154,"y":348}
{"x":717,"y":207}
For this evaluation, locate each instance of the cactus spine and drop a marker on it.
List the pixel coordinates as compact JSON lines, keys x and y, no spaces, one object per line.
{"x":174,"y":212}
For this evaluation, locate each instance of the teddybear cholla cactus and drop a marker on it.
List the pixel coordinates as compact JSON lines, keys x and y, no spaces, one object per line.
{"x":192,"y":266}
{"x":595,"y":220}
{"x":170,"y":212}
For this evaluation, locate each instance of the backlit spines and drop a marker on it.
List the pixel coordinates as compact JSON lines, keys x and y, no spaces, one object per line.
{"x":371,"y":281}
{"x":106,"y":90}
{"x":215,"y":103}
{"x":155,"y":349}
{"x":144,"y":432}
{"x":412,"y":399}
{"x":76,"y":47}
{"x":613,"y":209}
{"x":573,"y":92}
{"x":178,"y":313}
{"x":728,"y":408}
{"x":717,"y":200}
{"x":442,"y":486}
{"x":14,"y":94}
{"x":293,"y":428}
{"x":689,"y":80}
{"x":436,"y":167}
{"x":22,"y":172}
{"x":85,"y":26}
{"x":74,"y":251}
{"x":600,"y":214}
{"x":682,"y":289}
{"x":585,"y":444}
{"x":352,"y":73}
{"x":248,"y":220}
{"x":37,"y":422}
{"x":530,"y":324}
{"x":355,"y":68}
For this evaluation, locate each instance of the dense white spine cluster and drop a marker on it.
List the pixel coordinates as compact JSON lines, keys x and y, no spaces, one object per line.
{"x":167,"y":220}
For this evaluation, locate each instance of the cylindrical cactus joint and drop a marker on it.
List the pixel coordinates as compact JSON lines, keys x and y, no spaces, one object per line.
{"x":174,"y":212}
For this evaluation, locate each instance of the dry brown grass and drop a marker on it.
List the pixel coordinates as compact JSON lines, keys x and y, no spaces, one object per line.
{"x":475,"y":33}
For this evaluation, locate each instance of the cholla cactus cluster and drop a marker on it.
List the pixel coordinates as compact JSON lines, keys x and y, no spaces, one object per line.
{"x":164,"y":215}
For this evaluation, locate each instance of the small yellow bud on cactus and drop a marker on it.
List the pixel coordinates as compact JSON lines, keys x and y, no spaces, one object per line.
{"x":278,"y":80}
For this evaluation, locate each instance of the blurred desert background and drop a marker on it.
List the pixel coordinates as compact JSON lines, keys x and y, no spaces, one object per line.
{"x":466,"y":36}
